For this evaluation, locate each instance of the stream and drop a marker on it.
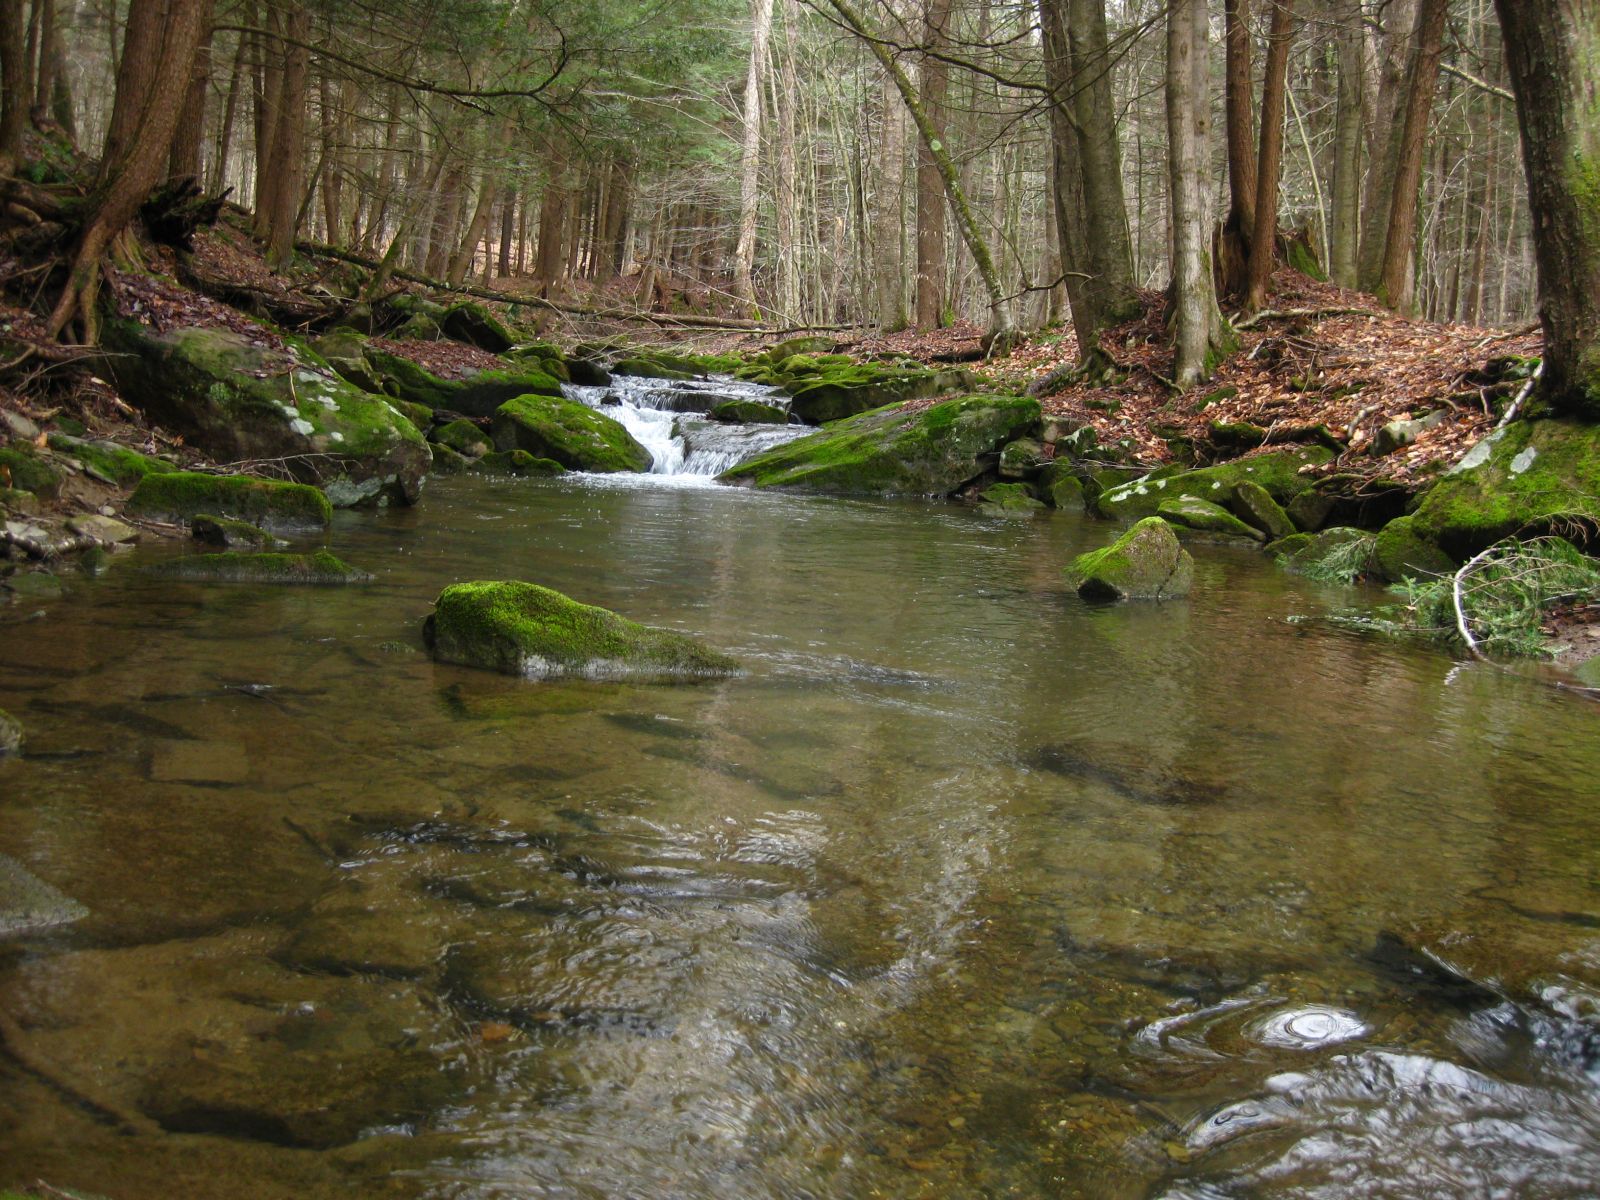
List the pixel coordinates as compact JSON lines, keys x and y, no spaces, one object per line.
{"x":964,"y":888}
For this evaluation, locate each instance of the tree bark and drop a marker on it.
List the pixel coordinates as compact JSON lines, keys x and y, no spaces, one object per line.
{"x":1397,"y":286}
{"x":1198,"y":327}
{"x":184,"y":160}
{"x":14,"y":92}
{"x":744,"y":255}
{"x":1551,"y":50}
{"x":1345,"y":235}
{"x":931,"y":248}
{"x":1239,"y":121}
{"x":175,"y":25}
{"x":285,"y":168}
{"x":1385,"y":109}
{"x":1264,"y":233}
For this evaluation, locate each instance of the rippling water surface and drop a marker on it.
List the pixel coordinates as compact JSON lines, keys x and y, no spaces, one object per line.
{"x":965,"y":888}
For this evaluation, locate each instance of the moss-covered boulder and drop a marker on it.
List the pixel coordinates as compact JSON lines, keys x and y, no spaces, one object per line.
{"x":473,"y":323}
{"x":464,"y":438}
{"x":273,"y":505}
{"x":243,"y":567}
{"x":1202,"y":516}
{"x":450,"y":462}
{"x":1061,"y":486}
{"x":1145,"y":563}
{"x":1401,"y":552}
{"x":894,"y":451}
{"x":572,"y":434}
{"x":531,"y":631}
{"x":1023,"y":458}
{"x":238,"y":398}
{"x":748,"y":412}
{"x":11,"y":737}
{"x":24,"y":470}
{"x":1254,"y":505}
{"x":1279,"y":473}
{"x":1340,"y":554}
{"x":232,"y":535}
{"x":109,"y":462}
{"x":1528,"y":477}
{"x":846,"y":391}
{"x":516,"y":462}
{"x":474,"y":395}
{"x":1009,"y":500}
{"x":805,"y":344}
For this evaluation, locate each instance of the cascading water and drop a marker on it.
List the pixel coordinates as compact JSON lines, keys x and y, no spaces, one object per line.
{"x":668,"y":417}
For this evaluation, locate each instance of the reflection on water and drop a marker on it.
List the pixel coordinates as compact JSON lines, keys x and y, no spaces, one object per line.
{"x":964,"y":888}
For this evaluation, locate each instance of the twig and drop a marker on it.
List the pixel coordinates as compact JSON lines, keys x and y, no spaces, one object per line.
{"x":1277,"y":314}
{"x":1462,"y":626}
{"x":1523,"y":393}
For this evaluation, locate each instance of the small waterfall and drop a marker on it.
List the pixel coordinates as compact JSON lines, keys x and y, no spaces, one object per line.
{"x":667,"y":417}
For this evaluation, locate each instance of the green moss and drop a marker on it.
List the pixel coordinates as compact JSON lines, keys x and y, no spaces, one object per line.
{"x":1531,"y":476}
{"x":1237,"y":433}
{"x":1338,"y":555}
{"x":477,"y":395}
{"x":473,"y":323}
{"x":748,"y":412}
{"x":1401,"y":552}
{"x":1254,"y":505}
{"x":463,"y":437}
{"x":1008,"y":500}
{"x":15,"y":500}
{"x":1061,"y":486}
{"x":1202,"y":516}
{"x":572,"y":434}
{"x":516,"y":462}
{"x":1022,"y":458}
{"x":844,"y":391}
{"x":894,"y":452}
{"x":25,"y":471}
{"x":321,"y":567}
{"x":182,"y":495}
{"x":654,"y":367}
{"x":1278,"y":473}
{"x":448,"y":462}
{"x":109,"y":462}
{"x":523,"y":629}
{"x":1145,"y":563}
{"x":1304,"y":259}
{"x":420,"y":415}
{"x":233,"y":535}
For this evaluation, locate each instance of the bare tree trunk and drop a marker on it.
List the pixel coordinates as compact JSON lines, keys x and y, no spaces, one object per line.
{"x":1551,"y":50}
{"x":1385,"y":112}
{"x":174,"y":26}
{"x":1398,"y":285}
{"x":44,"y":15}
{"x":1239,"y":111}
{"x":285,"y":170}
{"x":931,"y":250}
{"x":184,"y":161}
{"x":1346,"y":232}
{"x":788,"y":191}
{"x":230,"y":112}
{"x":744,"y":255}
{"x":14,"y":92}
{"x":1199,"y":333}
{"x":508,"y":232}
{"x":270,"y":53}
{"x":1264,"y":234}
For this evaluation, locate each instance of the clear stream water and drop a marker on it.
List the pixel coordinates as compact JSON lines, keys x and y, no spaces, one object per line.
{"x":965,"y":888}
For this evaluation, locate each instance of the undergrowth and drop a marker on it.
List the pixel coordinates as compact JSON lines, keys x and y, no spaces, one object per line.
{"x":1505,"y":596}
{"x":1345,"y":563}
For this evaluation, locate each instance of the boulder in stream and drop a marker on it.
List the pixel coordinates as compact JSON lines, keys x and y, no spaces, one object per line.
{"x":895,"y":451}
{"x":748,"y":412}
{"x":524,"y":629}
{"x":233,"y":566}
{"x":28,"y":903}
{"x":572,"y":434}
{"x":10,"y":734}
{"x":1202,"y":516}
{"x":1146,"y":563}
{"x":239,"y":398}
{"x":232,"y":535}
{"x":275,"y":506}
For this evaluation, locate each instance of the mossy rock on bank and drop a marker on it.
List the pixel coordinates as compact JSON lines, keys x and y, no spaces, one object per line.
{"x":238,"y":400}
{"x":804,"y":344}
{"x":1254,"y":505}
{"x":109,"y":462}
{"x":1340,"y":554}
{"x":516,"y":462}
{"x":660,"y":364}
{"x":1009,"y":500}
{"x":572,"y":434}
{"x":1530,"y":477}
{"x":475,"y":395}
{"x":464,"y":438}
{"x":524,"y":629}
{"x":1202,"y":516}
{"x":1061,"y":486}
{"x":23,"y":470}
{"x":847,"y":391}
{"x":895,"y":452}
{"x":1401,"y":552}
{"x":1278,"y":473}
{"x":273,"y":505}
{"x":1145,"y":563}
{"x":748,"y":412}
{"x":449,"y":462}
{"x":232,"y":535}
{"x":241,"y":567}
{"x":1023,"y":459}
{"x":473,"y":323}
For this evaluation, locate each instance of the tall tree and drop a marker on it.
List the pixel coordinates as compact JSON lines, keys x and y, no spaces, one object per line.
{"x":174,"y":26}
{"x":1397,"y":286}
{"x":1264,"y":233}
{"x":744,"y":257}
{"x":14,"y":91}
{"x":1238,"y":96}
{"x":1551,"y":49}
{"x":930,"y":183}
{"x":1344,"y":236}
{"x":1199,"y":333}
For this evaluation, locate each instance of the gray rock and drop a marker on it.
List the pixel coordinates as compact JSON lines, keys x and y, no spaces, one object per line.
{"x":1396,"y":434}
{"x":29,"y":904}
{"x":1254,"y":505}
{"x":18,"y":426}
{"x":10,"y":734}
{"x":1146,"y":563}
{"x":1191,"y":512}
{"x":107,"y":531}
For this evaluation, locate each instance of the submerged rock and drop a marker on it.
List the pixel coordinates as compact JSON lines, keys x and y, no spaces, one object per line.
{"x":232,"y":535}
{"x":275,"y":506}
{"x":1009,"y":500}
{"x":239,"y":400}
{"x":523,"y":629}
{"x":895,"y":452}
{"x":240,"y":567}
{"x":1146,"y":563}
{"x":515,"y":462}
{"x":10,"y":734}
{"x":572,"y":434}
{"x":28,"y":903}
